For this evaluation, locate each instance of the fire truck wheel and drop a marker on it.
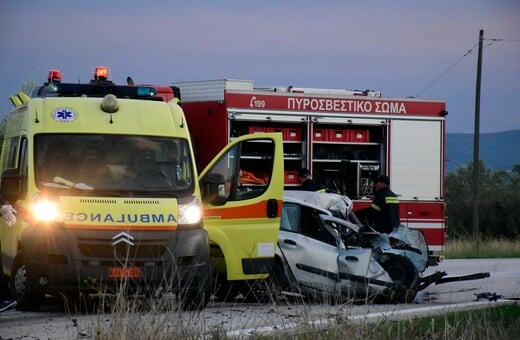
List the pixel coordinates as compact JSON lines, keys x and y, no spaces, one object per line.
{"x":26,"y":298}
{"x":405,"y":276}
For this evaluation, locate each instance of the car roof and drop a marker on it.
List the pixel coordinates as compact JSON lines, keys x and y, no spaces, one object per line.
{"x":331,"y":203}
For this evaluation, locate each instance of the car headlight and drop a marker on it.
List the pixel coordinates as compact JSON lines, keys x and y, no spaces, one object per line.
{"x":46,"y":211}
{"x":190,"y":213}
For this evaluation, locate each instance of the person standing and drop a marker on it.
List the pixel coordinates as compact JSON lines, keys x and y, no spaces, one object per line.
{"x":385,"y":206}
{"x":7,"y":212}
{"x":308,"y":184}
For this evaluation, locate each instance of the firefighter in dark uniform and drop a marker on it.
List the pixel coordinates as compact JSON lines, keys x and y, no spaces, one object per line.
{"x":385,"y":206}
{"x":308,"y":184}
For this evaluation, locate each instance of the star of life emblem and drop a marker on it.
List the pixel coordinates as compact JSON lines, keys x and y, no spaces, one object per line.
{"x":64,"y":114}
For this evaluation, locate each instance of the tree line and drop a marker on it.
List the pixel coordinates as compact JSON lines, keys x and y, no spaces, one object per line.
{"x":499,"y":207}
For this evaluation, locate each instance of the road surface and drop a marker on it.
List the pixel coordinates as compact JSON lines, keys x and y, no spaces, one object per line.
{"x":239,"y":319}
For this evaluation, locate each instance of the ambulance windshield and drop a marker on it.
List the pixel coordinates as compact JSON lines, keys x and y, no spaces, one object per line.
{"x":115,"y":164}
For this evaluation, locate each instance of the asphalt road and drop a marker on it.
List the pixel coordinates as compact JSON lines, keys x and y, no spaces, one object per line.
{"x":239,"y":319}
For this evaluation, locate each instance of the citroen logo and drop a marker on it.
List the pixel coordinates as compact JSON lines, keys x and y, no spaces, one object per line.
{"x":123,"y":237}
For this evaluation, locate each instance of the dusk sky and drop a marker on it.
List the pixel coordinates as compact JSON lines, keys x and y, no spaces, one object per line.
{"x":416,"y":48}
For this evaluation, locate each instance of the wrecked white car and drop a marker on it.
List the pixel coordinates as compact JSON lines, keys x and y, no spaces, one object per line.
{"x":324,"y":252}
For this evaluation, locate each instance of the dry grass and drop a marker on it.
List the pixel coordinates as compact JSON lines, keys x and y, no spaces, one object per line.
{"x":467,"y":249}
{"x":500,"y":322}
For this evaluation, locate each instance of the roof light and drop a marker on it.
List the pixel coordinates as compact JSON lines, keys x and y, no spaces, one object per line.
{"x":101,"y":73}
{"x":146,"y":91}
{"x":54,"y":76}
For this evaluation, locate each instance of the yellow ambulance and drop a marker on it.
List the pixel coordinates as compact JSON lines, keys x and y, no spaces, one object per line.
{"x":106,"y":190}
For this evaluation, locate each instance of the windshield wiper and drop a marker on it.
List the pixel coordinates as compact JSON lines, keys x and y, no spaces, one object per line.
{"x":60,"y":182}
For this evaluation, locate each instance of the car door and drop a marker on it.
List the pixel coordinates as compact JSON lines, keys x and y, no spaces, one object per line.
{"x":310,"y":250}
{"x":242,"y":193}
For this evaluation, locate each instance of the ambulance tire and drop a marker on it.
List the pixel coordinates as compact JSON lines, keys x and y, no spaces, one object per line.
{"x":21,"y":292}
{"x":405,"y":276}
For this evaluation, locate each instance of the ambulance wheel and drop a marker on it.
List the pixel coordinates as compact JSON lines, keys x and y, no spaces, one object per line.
{"x":405,"y":276}
{"x":26,"y":299}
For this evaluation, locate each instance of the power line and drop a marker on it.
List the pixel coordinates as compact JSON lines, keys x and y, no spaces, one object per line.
{"x":491,"y":42}
{"x":498,"y":39}
{"x":447,"y":70}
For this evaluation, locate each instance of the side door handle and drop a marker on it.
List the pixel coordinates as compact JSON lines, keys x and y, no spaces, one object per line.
{"x":289,"y":242}
{"x":272,"y":208}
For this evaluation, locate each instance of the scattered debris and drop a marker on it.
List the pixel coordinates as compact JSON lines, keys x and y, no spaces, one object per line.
{"x":487,"y":295}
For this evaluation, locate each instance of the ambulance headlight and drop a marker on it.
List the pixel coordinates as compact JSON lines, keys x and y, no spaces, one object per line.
{"x":191,"y":212}
{"x":46,"y":211}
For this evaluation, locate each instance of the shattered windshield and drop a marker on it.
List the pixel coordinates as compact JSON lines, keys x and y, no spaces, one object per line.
{"x":116,"y":163}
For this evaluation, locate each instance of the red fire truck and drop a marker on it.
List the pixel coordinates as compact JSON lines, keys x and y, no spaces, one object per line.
{"x":345,"y":137}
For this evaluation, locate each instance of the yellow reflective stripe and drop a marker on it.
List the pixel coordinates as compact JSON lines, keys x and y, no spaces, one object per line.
{"x":321,"y":190}
{"x":391,"y":200}
{"x":374,"y":206}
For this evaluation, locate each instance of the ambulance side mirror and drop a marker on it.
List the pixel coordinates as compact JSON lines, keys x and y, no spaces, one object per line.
{"x":213,"y":188}
{"x":10,"y":185}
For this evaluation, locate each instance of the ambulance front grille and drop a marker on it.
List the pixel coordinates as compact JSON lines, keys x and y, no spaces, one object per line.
{"x":99,"y":249}
{"x":112,"y":201}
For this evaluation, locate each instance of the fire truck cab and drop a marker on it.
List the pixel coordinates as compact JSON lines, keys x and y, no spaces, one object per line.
{"x":346,"y":138}
{"x":104,"y":181}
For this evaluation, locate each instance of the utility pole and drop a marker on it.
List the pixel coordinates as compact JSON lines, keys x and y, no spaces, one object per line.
{"x":476,"y":162}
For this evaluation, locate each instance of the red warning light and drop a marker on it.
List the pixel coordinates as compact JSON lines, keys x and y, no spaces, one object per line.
{"x":54,"y":76}
{"x":101,"y":73}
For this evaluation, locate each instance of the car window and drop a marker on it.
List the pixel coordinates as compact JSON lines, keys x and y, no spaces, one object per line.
{"x":290,"y":217}
{"x":312,"y":226}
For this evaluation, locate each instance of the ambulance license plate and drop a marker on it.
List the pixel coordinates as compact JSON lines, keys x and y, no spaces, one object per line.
{"x":124,"y":272}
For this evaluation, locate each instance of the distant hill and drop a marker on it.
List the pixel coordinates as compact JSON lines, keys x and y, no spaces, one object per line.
{"x":499,"y":150}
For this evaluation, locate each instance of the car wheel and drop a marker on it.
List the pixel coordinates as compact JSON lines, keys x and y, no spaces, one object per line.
{"x":405,"y":276}
{"x":26,"y":298}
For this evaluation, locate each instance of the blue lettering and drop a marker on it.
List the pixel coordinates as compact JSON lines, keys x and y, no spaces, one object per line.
{"x":122,"y":218}
{"x":95,"y":217}
{"x":158,"y":218}
{"x":68,"y":216}
{"x":109,"y":218}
